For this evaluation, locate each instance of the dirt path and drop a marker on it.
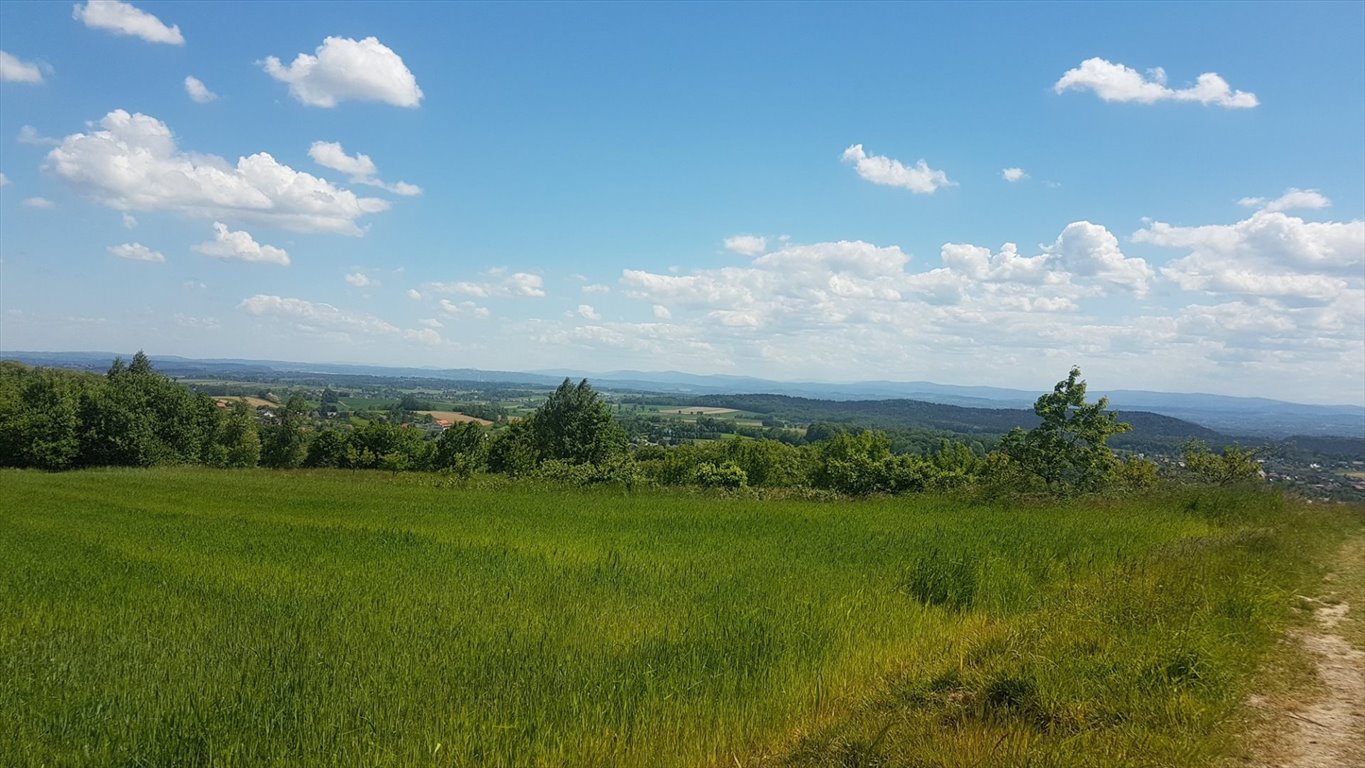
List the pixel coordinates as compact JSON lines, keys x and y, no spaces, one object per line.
{"x":1327,"y":728}
{"x":1330,"y":731}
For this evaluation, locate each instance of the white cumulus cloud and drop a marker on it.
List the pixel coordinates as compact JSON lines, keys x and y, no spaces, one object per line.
{"x":329,"y":154}
{"x":517,"y":284}
{"x":1116,"y":82}
{"x":136,"y":252}
{"x":1292,"y":199}
{"x":1269,"y":238}
{"x":427,"y":336}
{"x":1269,"y":254}
{"x":880,"y":169}
{"x":197,"y":91}
{"x":360,"y":168}
{"x":849,"y":288}
{"x":315,"y":313}
{"x":38,"y":202}
{"x":124,"y":19}
{"x":817,"y":283}
{"x":587,"y":312}
{"x":343,"y":69}
{"x":240,"y":246}
{"x":16,"y":70}
{"x":747,"y":245}
{"x":979,"y":264}
{"x":324,"y":319}
{"x":831,"y":305}
{"x":30,"y":135}
{"x":4,"y":180}
{"x":463,"y":309}
{"x":1013,"y":174}
{"x":824,"y":309}
{"x":414,"y":294}
{"x":132,"y":163}
{"x":359,"y":279}
{"x":1084,"y":260}
{"x":1090,"y":250}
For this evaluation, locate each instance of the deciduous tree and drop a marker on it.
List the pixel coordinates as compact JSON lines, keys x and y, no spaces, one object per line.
{"x":238,"y":443}
{"x":1067,"y":452}
{"x":285,"y":445}
{"x":575,"y":425}
{"x":1234,"y":465}
{"x":463,"y":445}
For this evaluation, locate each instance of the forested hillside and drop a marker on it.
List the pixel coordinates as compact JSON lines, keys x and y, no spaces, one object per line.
{"x":1149,"y":429}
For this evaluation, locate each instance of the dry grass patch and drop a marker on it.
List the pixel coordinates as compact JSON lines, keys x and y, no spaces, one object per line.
{"x":455,"y":417}
{"x":254,"y":402}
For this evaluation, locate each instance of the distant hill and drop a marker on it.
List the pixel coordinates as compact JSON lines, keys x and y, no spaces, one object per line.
{"x":1251,"y":416}
{"x":185,"y":367}
{"x":1149,"y":429}
{"x":1248,"y":415}
{"x":1257,"y":416}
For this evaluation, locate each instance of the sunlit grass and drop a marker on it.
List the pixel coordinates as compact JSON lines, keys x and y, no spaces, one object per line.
{"x":190,"y":616}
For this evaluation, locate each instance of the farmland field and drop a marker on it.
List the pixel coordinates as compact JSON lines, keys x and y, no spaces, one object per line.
{"x":254,"y":402}
{"x":456,"y":417}
{"x":195,"y":617}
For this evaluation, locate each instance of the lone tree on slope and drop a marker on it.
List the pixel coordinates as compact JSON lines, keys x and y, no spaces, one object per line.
{"x":1068,"y":451}
{"x":576,"y":425}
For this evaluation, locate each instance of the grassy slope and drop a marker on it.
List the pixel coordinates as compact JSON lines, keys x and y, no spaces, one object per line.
{"x":189,"y":616}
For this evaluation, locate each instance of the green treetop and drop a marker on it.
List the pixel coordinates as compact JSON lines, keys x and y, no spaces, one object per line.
{"x":1068,"y":451}
{"x":576,"y":425}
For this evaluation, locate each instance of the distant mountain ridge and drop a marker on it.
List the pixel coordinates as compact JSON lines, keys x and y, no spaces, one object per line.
{"x":1232,"y":415}
{"x":1226,"y":414}
{"x":1148,"y":428}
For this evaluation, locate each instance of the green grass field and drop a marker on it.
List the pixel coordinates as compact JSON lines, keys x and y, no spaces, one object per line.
{"x":198,"y":617}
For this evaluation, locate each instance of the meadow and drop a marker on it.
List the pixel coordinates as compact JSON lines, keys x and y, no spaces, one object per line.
{"x":190,"y":616}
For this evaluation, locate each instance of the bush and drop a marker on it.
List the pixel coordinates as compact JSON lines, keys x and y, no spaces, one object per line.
{"x":463,"y":445}
{"x":619,"y":471}
{"x":1135,"y":474}
{"x":767,"y":463}
{"x":1234,"y":465}
{"x":727,"y":475}
{"x":853,"y":464}
{"x":327,"y":449}
{"x":908,"y":473}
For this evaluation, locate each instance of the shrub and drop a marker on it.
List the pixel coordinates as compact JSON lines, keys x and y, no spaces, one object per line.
{"x":1135,"y":474}
{"x":853,"y":464}
{"x":727,"y":475}
{"x":1234,"y":465}
{"x":565,"y":472}
{"x":621,"y":471}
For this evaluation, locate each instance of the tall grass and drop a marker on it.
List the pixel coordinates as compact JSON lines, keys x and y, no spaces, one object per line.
{"x":199,"y":617}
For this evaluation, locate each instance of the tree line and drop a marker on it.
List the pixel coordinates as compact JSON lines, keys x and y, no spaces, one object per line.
{"x":56,"y":419}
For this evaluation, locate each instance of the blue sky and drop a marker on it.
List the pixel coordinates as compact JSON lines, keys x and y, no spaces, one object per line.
{"x":796,"y":191}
